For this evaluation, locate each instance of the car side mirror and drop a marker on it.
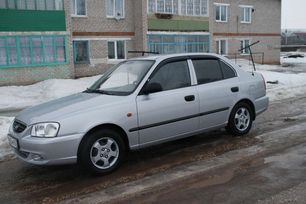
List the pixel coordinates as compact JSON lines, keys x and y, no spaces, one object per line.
{"x":152,"y":88}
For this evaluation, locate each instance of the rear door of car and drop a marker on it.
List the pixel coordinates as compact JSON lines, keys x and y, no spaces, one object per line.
{"x":172,"y":112}
{"x":218,"y":87}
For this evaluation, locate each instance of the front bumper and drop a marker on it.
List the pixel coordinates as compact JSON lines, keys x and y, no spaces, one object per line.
{"x":48,"y":151}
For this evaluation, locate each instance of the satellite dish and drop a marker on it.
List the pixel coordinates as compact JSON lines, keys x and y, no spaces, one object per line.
{"x":118,"y":16}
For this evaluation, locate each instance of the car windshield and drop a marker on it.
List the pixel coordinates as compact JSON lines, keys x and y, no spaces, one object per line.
{"x":122,"y":79}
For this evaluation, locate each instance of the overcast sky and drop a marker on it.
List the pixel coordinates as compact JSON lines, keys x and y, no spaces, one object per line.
{"x":294,"y":14}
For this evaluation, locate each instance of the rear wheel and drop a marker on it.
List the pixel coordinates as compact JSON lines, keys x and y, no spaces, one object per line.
{"x":240,"y":121}
{"x":102,"y":151}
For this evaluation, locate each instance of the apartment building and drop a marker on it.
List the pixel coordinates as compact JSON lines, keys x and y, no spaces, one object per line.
{"x":103,"y":31}
{"x":34,"y":41}
{"x":236,"y":24}
{"x":219,"y":26}
{"x":176,"y":26}
{"x":42,"y":39}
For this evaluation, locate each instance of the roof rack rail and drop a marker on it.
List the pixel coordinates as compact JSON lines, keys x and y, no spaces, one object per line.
{"x":143,"y":52}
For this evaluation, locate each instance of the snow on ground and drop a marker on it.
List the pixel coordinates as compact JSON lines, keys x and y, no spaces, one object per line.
{"x":5,"y":149}
{"x":18,"y":97}
{"x":286,"y":60}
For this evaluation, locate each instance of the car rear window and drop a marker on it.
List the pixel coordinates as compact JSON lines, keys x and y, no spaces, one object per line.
{"x":228,"y":72}
{"x":207,"y":70}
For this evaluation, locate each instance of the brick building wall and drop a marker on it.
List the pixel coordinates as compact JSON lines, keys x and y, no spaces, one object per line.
{"x":265,"y":27}
{"x":22,"y":75}
{"x":98,"y":29}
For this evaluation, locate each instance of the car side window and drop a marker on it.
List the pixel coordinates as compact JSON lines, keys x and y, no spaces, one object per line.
{"x":207,"y":70}
{"x":228,"y":72}
{"x":172,"y":75}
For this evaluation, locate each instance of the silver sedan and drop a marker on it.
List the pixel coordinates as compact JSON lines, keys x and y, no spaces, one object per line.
{"x":138,"y":103}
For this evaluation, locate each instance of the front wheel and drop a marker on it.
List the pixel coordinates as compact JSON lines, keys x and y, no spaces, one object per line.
{"x":102,"y":151}
{"x":240,"y":121}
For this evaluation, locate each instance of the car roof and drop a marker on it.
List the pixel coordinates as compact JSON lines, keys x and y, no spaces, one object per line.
{"x":167,"y":56}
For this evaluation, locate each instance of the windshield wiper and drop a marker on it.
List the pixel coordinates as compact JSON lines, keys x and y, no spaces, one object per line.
{"x":98,"y":91}
{"x":94,"y":91}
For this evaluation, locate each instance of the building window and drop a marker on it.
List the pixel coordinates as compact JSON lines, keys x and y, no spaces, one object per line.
{"x":167,"y":44}
{"x":243,"y":44}
{"x":20,"y":51}
{"x":246,"y":14}
{"x":116,"y":50}
{"x":78,"y":7}
{"x":221,"y":47}
{"x":32,"y":4}
{"x":115,"y":8}
{"x":221,"y":12}
{"x":81,"y":52}
{"x":179,"y":7}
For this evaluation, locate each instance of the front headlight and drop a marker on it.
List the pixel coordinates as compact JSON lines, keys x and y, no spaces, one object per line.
{"x":45,"y":130}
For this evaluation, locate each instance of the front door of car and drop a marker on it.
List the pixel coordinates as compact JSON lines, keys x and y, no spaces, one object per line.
{"x":172,"y":111}
{"x":218,"y":87}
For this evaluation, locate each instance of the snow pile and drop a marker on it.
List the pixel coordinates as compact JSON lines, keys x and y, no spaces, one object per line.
{"x":5,"y":149}
{"x":299,"y":60}
{"x":289,"y":85}
{"x":19,"y":97}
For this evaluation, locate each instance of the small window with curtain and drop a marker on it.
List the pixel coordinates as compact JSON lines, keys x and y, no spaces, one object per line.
{"x":36,"y":50}
{"x":244,"y":43}
{"x":50,"y":5}
{"x":246,"y":14}
{"x":78,"y":7}
{"x":115,"y":8}
{"x":3,"y":56}
{"x":81,"y":52}
{"x":116,"y":50}
{"x":221,"y":12}
{"x":221,"y":47}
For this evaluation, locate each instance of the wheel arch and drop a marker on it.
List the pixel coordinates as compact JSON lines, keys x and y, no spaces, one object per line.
{"x":106,"y":126}
{"x":251,"y":104}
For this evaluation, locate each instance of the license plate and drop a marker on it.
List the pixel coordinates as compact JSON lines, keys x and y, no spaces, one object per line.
{"x":13,"y":142}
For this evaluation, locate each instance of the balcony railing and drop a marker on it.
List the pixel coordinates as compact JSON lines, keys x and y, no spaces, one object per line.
{"x":48,"y":5}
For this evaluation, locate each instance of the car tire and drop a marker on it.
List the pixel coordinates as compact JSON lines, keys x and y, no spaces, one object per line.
{"x":240,"y":120}
{"x":102,"y":151}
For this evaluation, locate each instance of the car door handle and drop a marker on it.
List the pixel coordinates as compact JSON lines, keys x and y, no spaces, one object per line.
{"x":189,"y":98}
{"x":235,"y":89}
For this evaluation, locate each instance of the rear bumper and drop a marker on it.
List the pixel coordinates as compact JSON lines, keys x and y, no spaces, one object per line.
{"x":261,"y":105}
{"x":49,"y":151}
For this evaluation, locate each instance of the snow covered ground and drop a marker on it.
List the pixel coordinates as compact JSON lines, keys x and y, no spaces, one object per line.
{"x":19,"y":97}
{"x":286,"y":60}
{"x":5,"y":149}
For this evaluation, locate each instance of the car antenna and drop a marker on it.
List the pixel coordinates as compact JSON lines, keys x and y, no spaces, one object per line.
{"x":144,"y":52}
{"x":251,"y":54}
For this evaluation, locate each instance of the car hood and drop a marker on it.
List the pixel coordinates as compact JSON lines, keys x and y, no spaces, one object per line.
{"x":67,"y":106}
